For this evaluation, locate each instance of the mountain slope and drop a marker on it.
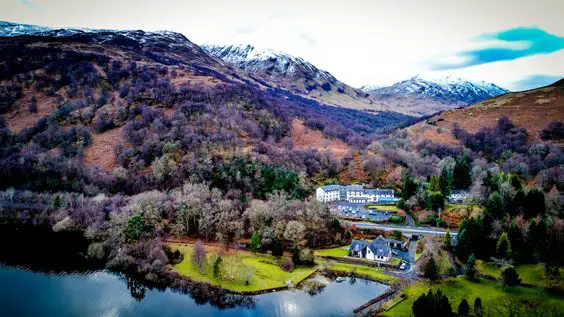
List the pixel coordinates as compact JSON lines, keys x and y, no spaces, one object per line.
{"x":533,"y":110}
{"x":282,"y":70}
{"x":82,"y":106}
{"x":428,"y":96}
{"x":164,"y":46}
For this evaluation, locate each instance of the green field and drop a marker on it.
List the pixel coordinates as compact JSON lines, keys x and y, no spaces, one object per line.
{"x":372,"y":272}
{"x":344,"y":251}
{"x":390,"y":208}
{"x":458,"y":288}
{"x":529,"y":273}
{"x":336,"y":252}
{"x":267,"y":274}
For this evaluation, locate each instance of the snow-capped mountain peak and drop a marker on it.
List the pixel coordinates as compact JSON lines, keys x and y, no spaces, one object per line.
{"x":448,"y":89}
{"x":172,"y":39}
{"x":273,"y":62}
{"x":369,"y":88}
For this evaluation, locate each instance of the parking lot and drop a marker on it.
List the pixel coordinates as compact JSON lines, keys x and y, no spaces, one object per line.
{"x":355,"y":210}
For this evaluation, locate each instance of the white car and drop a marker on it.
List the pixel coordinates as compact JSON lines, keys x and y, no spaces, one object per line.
{"x":403,"y":266}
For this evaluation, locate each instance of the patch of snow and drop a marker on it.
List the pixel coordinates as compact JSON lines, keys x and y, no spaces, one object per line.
{"x":255,"y":59}
{"x":447,"y":89}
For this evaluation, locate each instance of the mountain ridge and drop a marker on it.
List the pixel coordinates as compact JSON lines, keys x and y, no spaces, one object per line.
{"x":448,"y":89}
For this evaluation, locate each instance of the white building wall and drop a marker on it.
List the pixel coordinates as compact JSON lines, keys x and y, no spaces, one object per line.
{"x":352,"y":196}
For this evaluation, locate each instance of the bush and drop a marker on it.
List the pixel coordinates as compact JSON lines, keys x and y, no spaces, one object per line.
{"x":431,"y":269}
{"x":432,"y":304}
{"x":287,"y":264}
{"x":102,"y":125}
{"x":463,"y":308}
{"x":32,"y":106}
{"x":397,"y":219}
{"x":510,"y":277}
{"x":306,"y":257}
{"x":554,"y":131}
{"x":470,"y":267}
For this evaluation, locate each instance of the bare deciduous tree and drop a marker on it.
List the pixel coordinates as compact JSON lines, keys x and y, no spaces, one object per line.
{"x":199,"y":256}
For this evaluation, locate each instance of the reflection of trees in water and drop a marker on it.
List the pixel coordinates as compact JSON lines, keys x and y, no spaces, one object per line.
{"x":352,"y":280}
{"x":39,"y":249}
{"x":200,"y":292}
{"x":135,"y":287}
{"x":313,"y":287}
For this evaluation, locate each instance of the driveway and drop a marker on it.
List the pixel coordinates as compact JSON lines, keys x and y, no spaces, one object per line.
{"x":404,"y":229}
{"x":355,"y":210}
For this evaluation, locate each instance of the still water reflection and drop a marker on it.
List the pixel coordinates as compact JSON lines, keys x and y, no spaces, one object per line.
{"x":45,"y":274}
{"x":102,"y":293}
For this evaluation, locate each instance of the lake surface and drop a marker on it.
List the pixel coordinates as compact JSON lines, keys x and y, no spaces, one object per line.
{"x":102,"y":293}
{"x":45,"y":274}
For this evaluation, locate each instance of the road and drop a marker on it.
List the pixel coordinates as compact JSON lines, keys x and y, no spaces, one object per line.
{"x":405,"y":230}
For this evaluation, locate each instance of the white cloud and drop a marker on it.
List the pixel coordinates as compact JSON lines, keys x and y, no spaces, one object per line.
{"x":358,"y":41}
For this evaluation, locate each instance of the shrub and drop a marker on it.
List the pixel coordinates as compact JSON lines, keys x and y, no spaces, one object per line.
{"x":510,"y":277}
{"x":463,"y":308}
{"x":470,"y":267}
{"x":217,"y":268}
{"x":32,"y":106}
{"x":431,"y":269}
{"x":287,"y":264}
{"x":432,"y":304}
{"x":397,"y":219}
{"x":306,"y":257}
{"x":102,"y":125}
{"x":554,"y":131}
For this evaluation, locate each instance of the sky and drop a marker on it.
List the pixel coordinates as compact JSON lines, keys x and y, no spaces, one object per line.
{"x":515,"y":44}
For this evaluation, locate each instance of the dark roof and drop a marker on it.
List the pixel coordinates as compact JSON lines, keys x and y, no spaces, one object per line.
{"x":459,"y":192}
{"x":379,"y":191}
{"x":330,"y":187}
{"x":358,"y":245}
{"x":380,"y":247}
{"x":396,"y":241}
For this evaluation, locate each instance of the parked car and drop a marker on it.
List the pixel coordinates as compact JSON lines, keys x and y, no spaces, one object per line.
{"x":403,"y":266}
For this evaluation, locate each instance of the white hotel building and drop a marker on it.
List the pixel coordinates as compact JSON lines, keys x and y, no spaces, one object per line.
{"x":354,"y":194}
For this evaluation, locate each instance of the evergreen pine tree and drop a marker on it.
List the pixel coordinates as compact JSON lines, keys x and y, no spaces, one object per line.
{"x":478,"y":311}
{"x":431,"y":269}
{"x":470,"y":267}
{"x":448,"y":239}
{"x":445,"y":181}
{"x":217,"y":268}
{"x":503,"y":246}
{"x":463,"y":308}
{"x":461,"y":177}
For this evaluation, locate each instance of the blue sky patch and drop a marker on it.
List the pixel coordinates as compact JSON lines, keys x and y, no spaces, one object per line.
{"x":534,"y":81}
{"x":536,"y":40}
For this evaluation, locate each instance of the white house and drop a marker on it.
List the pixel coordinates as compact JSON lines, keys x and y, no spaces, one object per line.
{"x":377,"y":250}
{"x":354,"y":194}
{"x":458,"y":196}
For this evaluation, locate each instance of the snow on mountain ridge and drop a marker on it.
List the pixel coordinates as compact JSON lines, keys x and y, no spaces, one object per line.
{"x":173,"y":39}
{"x":448,"y":90}
{"x":255,"y":59}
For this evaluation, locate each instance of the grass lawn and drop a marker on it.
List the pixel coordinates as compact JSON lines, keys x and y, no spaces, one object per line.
{"x":336,"y":252}
{"x":458,"y":288}
{"x":395,"y":261}
{"x":529,"y":273}
{"x":267,"y":274}
{"x":390,"y":208}
{"x":417,"y":254}
{"x":375,"y":273}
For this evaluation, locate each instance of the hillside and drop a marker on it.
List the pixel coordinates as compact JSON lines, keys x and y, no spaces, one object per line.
{"x":532,"y":110}
{"x":98,"y":108}
{"x":273,"y":68}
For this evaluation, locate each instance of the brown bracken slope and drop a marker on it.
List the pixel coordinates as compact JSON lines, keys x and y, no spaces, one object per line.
{"x":533,"y":109}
